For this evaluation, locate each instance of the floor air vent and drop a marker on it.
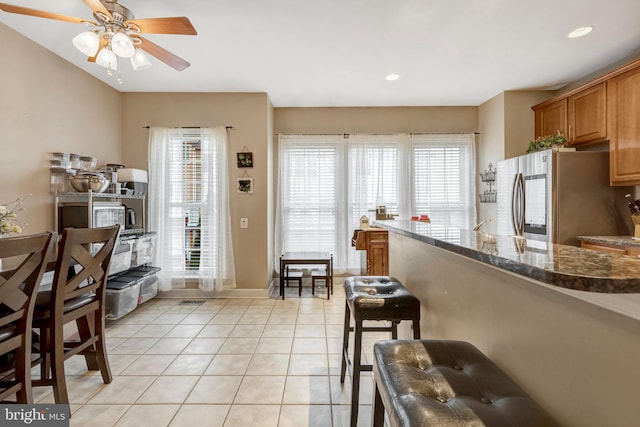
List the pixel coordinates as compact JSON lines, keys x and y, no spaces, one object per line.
{"x":192,"y":302}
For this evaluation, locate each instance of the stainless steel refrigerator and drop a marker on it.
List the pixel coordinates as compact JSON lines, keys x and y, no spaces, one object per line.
{"x":556,"y":196}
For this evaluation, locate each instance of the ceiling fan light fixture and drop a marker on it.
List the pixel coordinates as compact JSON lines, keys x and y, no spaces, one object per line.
{"x":107,"y":59}
{"x":139,"y":61}
{"x":87,"y":42}
{"x":122,"y":45}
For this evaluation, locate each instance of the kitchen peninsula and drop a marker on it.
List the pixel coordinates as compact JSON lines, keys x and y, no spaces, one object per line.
{"x":564,"y":322}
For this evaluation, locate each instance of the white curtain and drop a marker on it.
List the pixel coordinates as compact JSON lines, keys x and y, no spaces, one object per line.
{"x":177,"y":189}
{"x":379,"y":168}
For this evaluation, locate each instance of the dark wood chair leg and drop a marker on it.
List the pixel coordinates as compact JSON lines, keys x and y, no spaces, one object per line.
{"x":86,"y":331}
{"x":101,"y":349}
{"x":57,"y":367}
{"x":23,"y":374}
{"x":416,"y":329}
{"x":345,"y":342}
{"x":377,"y":416}
{"x":355,"y":373}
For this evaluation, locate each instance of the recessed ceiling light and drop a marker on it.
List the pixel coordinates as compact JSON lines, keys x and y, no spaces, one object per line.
{"x":579,"y":32}
{"x":392,"y":77}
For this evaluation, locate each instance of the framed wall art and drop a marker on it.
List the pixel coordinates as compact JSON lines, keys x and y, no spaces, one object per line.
{"x":245,"y":185}
{"x":245,"y":159}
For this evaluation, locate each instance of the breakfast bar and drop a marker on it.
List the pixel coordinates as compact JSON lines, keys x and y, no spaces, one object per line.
{"x":562,"y":321}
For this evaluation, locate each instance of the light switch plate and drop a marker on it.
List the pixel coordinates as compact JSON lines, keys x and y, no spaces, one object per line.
{"x":244,"y":222}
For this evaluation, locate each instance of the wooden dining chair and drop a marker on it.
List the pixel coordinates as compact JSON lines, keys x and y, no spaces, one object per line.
{"x":18,"y":287}
{"x":77,"y":295}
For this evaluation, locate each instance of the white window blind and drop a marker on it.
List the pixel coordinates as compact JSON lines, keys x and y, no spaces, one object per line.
{"x":185,"y":175}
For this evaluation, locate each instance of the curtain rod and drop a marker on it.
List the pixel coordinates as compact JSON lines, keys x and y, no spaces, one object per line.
{"x":347,"y":133}
{"x":188,"y":127}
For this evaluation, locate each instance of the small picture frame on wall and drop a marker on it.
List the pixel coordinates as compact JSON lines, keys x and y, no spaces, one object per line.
{"x":245,"y":185}
{"x":245,"y":159}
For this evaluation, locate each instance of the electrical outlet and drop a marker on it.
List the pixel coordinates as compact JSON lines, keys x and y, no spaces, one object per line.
{"x":244,"y":222}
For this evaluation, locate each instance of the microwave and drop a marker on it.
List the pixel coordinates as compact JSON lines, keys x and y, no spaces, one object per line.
{"x":103,"y":214}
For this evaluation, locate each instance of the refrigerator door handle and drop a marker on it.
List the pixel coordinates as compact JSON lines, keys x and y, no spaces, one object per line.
{"x":517,"y":204}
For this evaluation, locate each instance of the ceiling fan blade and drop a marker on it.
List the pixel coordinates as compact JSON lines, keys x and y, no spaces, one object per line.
{"x":97,"y":6}
{"x":103,"y":43}
{"x":40,"y":13}
{"x":176,"y":25}
{"x":163,"y":55}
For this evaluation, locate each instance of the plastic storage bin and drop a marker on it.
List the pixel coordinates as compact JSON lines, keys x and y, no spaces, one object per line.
{"x":121,"y":297}
{"x":143,"y":248}
{"x":148,"y":281}
{"x":146,"y":277}
{"x":148,"y":288}
{"x":121,"y":258}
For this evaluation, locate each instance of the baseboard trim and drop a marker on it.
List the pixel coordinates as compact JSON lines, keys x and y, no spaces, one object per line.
{"x":229,"y":293}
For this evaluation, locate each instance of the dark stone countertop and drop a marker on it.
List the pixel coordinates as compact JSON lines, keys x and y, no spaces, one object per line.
{"x":612,"y":240}
{"x":558,"y":265}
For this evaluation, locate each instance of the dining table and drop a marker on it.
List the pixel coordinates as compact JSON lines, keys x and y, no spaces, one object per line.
{"x":313,"y":258}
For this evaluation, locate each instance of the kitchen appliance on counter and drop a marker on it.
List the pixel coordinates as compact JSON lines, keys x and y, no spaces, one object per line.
{"x":556,"y":196}
{"x":133,"y":181}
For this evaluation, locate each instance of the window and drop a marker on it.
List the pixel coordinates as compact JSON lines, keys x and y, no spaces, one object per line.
{"x":310,"y":192}
{"x":188,"y":207}
{"x":327,"y":182}
{"x":443,"y":178}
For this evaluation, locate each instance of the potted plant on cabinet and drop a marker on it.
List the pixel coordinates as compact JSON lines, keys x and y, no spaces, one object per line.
{"x":545,"y":142}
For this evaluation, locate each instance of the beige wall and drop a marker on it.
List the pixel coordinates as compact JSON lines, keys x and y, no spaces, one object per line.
{"x":506,"y":125}
{"x":248,"y":113}
{"x":376,"y":120}
{"x":48,"y":105}
{"x":576,"y":359}
{"x":490,"y":150}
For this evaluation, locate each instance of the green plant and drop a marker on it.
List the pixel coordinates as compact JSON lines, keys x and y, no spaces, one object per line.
{"x":546,"y":142}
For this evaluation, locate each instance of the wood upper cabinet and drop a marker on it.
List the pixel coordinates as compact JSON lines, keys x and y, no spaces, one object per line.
{"x":551,"y":118}
{"x":581,"y":117}
{"x":623,"y":110}
{"x":587,"y":112}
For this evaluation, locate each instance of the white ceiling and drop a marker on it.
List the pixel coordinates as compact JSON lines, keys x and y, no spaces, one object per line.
{"x":337,"y":52}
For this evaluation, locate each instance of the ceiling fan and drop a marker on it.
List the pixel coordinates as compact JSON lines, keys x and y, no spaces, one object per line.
{"x":116,"y":33}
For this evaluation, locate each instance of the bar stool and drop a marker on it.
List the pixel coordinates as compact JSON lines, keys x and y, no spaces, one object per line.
{"x":378,"y":298}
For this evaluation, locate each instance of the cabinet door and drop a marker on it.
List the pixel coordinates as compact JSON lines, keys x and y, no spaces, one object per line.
{"x":623,"y":127}
{"x":378,"y":253}
{"x":588,"y":115}
{"x":551,"y":118}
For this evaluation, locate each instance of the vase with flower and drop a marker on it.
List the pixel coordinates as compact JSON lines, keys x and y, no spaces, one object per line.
{"x":9,"y":217}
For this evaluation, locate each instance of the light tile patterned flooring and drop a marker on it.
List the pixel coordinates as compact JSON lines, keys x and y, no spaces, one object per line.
{"x":227,"y":362}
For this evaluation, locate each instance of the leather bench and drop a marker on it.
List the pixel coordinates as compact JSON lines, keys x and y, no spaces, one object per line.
{"x":447,"y":383}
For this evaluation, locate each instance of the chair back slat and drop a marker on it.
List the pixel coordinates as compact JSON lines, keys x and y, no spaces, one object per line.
{"x":18,"y":289}
{"x":80,"y":267}
{"x":18,"y":285}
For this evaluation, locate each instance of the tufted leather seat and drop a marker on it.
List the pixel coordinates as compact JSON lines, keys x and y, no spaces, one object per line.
{"x":447,"y":383}
{"x":380,"y":298}
{"x":373,"y":298}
